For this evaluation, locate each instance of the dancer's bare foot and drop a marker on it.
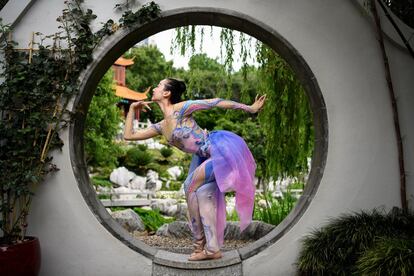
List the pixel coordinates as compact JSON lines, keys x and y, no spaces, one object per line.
{"x":204,"y":255}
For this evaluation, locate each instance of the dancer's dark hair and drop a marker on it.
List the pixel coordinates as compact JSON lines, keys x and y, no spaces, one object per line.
{"x":177,"y":88}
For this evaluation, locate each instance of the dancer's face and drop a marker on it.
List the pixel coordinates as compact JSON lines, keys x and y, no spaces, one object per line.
{"x":159,"y":92}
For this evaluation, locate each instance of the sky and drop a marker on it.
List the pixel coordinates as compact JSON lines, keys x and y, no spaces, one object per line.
{"x":211,"y":46}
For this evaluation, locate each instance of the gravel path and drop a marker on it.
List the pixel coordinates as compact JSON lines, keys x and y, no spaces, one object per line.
{"x":183,"y":245}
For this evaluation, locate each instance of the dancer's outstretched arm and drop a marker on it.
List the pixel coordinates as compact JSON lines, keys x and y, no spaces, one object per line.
{"x":189,"y":107}
{"x":140,"y":134}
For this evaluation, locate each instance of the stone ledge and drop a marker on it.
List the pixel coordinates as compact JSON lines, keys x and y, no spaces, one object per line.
{"x":233,"y":270}
{"x":176,"y":260}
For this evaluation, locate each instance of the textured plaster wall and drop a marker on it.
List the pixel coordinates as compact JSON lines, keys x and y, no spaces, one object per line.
{"x":338,"y":42}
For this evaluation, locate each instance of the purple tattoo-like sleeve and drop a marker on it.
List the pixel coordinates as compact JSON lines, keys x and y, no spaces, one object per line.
{"x":194,"y":105}
{"x":157,"y":127}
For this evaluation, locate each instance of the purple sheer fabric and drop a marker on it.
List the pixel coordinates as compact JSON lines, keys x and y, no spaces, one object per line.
{"x":234,"y":169}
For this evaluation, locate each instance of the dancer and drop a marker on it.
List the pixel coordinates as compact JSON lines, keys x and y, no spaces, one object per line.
{"x":221,"y":163}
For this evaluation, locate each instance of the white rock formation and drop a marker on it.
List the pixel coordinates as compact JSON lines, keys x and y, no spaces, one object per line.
{"x":121,"y":176}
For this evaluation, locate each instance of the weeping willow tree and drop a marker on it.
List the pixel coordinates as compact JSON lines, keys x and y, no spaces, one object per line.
{"x":285,"y":121}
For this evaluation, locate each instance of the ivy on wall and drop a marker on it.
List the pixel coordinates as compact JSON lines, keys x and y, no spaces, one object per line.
{"x":36,"y":88}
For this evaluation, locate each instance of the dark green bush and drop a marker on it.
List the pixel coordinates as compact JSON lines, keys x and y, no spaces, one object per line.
{"x":388,"y":257}
{"x":142,"y":147}
{"x":336,"y":248}
{"x":166,"y":152}
{"x":136,"y":157}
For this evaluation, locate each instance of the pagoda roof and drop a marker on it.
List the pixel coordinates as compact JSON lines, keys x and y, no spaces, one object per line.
{"x":126,"y":93}
{"x":121,"y":61}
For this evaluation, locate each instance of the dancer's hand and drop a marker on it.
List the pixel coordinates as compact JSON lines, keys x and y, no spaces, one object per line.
{"x":258,"y":103}
{"x":140,"y":105}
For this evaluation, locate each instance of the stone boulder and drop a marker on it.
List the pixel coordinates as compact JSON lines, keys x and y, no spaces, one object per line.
{"x":254,"y":231}
{"x":121,"y":176}
{"x":179,"y":211}
{"x":175,"y":229}
{"x":129,"y":220}
{"x":153,"y":183}
{"x":163,"y":204}
{"x":175,"y":172}
{"x":138,"y":183}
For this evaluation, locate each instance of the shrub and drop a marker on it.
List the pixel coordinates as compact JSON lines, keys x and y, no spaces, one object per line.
{"x":142,"y":147}
{"x":388,"y":257}
{"x":137,"y":158}
{"x":101,"y":126}
{"x":152,"y":219}
{"x":166,"y":152}
{"x":336,"y":248}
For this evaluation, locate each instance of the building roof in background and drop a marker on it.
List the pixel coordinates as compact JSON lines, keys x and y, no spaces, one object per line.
{"x":124,"y":61}
{"x":126,"y":93}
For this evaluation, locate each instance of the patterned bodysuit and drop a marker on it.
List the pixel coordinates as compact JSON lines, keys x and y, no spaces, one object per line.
{"x":201,"y":190}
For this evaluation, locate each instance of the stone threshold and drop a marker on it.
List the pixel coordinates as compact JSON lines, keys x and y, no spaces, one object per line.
{"x":177,"y":260}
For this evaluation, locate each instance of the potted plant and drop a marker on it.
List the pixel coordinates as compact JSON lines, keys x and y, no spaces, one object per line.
{"x":36,"y":84}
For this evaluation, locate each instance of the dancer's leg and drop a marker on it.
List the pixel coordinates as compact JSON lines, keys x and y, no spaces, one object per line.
{"x":207,"y":203}
{"x":192,"y":205}
{"x":201,"y":199}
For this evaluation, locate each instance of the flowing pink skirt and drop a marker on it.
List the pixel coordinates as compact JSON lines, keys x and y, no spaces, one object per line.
{"x":234,"y":169}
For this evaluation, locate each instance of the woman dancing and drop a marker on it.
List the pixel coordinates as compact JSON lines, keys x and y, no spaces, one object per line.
{"x":221,"y":163}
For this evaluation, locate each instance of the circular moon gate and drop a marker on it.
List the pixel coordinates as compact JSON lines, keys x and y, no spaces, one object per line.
{"x":112,"y":47}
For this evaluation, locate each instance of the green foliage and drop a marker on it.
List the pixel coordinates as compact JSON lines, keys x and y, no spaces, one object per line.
{"x":146,"y":13}
{"x":335,"y":248}
{"x":152,"y":218}
{"x":286,"y":119}
{"x":166,"y":152}
{"x":35,"y":91}
{"x":389,"y":256}
{"x":297,"y":185}
{"x":275,"y":209}
{"x":204,"y":78}
{"x":100,"y":181}
{"x":142,"y":147}
{"x":101,"y":125}
{"x":136,"y":159}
